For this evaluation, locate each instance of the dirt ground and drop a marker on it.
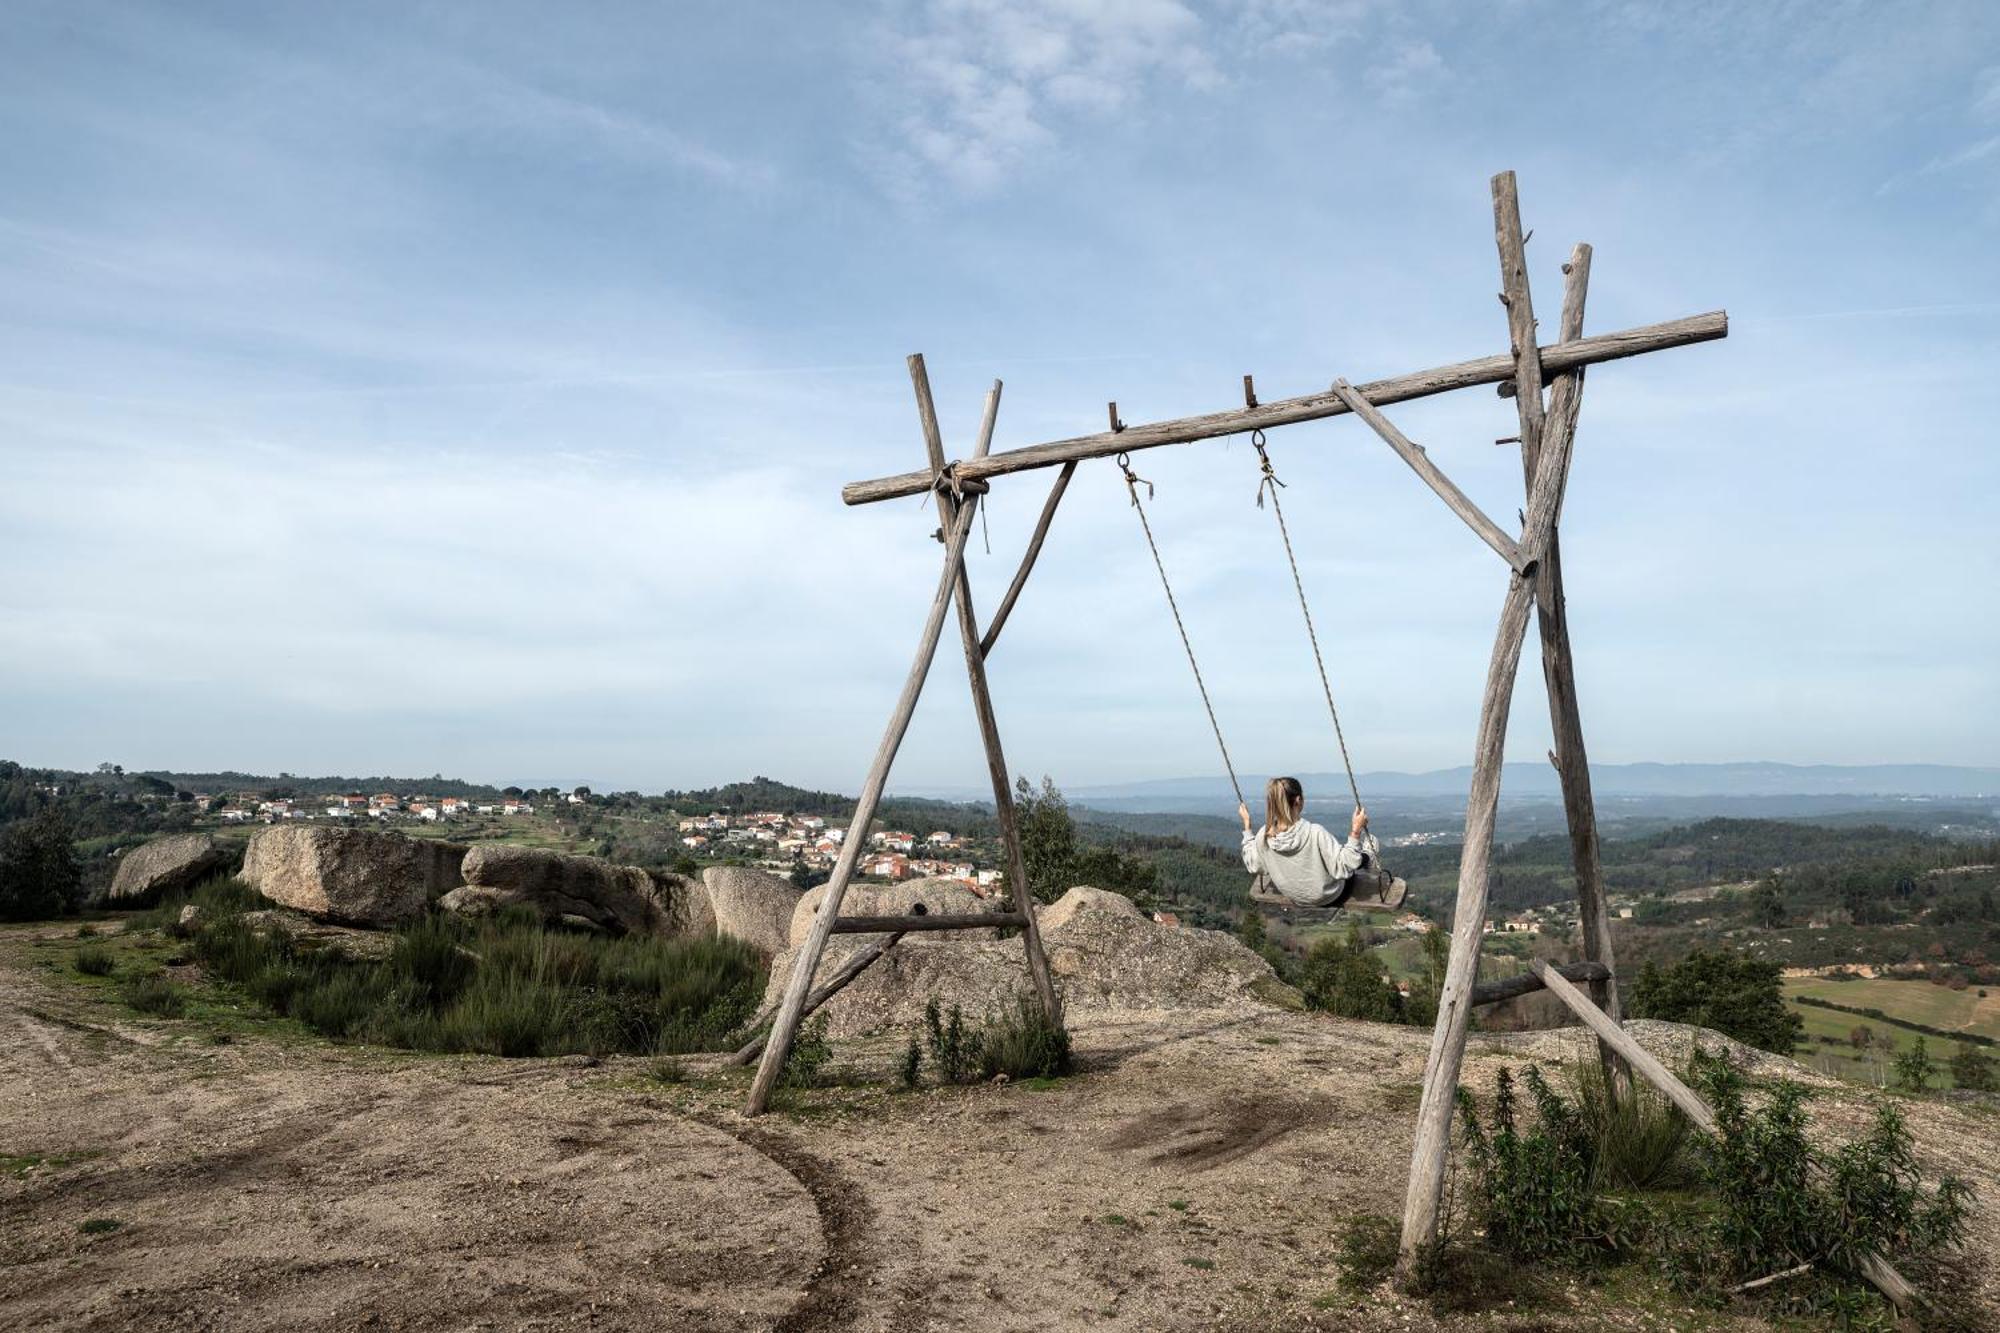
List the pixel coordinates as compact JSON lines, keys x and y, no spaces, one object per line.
{"x":1195,"y":1175}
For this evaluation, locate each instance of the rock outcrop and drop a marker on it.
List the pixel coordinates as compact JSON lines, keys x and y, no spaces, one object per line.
{"x":356,"y":877}
{"x":361,"y":946}
{"x":163,"y":867}
{"x":938,"y":896}
{"x":578,"y":891}
{"x":1104,"y":953}
{"x":752,"y":906}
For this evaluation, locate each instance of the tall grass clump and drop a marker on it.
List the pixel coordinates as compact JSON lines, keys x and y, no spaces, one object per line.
{"x":1019,"y":1042}
{"x":508,"y":985}
{"x":94,"y":960}
{"x":1639,"y":1139}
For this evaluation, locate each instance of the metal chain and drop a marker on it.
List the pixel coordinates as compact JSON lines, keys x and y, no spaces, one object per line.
{"x":1270,"y":483}
{"x":1132,"y":480}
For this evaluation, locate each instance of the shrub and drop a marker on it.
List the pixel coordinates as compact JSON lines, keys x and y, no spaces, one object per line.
{"x":1913,"y":1068}
{"x":1639,"y":1139}
{"x":508,"y":986}
{"x":952,"y":1052}
{"x":1369,"y":1247}
{"x":1975,"y":1070}
{"x":94,"y":960}
{"x":1343,"y":977}
{"x":910,"y":1072}
{"x":154,"y":994}
{"x":1021,"y":1042}
{"x":1532,"y":1186}
{"x":811,"y":1052}
{"x":1737,"y":995}
{"x":39,"y":873}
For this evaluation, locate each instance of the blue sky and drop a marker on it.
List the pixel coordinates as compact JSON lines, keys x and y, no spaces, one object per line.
{"x":467,"y":387}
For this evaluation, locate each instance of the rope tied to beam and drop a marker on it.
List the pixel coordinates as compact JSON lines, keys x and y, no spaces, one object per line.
{"x":1270,"y":482}
{"x":1132,"y":481}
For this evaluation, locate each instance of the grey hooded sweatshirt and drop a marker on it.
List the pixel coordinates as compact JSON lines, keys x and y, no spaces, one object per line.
{"x":1305,"y":863}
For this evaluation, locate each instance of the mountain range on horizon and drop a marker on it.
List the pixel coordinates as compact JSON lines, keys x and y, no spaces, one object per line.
{"x":1539,"y":781}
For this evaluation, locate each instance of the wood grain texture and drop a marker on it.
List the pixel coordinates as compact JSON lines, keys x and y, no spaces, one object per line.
{"x":1311,"y":407}
{"x":869,"y":925}
{"x":1572,"y":760}
{"x":1420,"y":463}
{"x":1513,"y":988}
{"x":1034,"y":551}
{"x":786,"y":1025}
{"x":860,"y":961}
{"x":982,"y":698}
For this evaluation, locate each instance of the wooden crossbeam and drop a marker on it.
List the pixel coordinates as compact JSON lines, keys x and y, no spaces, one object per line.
{"x":867,"y":925}
{"x":1420,"y":462}
{"x":1312,"y":407}
{"x":1527,"y":983}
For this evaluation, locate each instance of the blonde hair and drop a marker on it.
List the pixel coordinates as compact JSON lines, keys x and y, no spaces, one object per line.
{"x":1284,"y":802}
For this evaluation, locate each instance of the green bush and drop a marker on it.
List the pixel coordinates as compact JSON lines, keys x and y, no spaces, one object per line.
{"x":94,"y":960}
{"x":910,"y":1071}
{"x":1343,"y":976}
{"x":1532,"y":1185}
{"x":1019,"y":1042}
{"x":1735,"y":994}
{"x":154,"y":994}
{"x":40,"y":876}
{"x":507,"y":986}
{"x":811,"y":1052}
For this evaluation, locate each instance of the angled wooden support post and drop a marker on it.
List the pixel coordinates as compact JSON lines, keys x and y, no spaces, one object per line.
{"x":1420,"y":462}
{"x":857,"y":963}
{"x":982,"y":699}
{"x":1006,"y":607}
{"x":1432,"y":1148}
{"x":1559,"y":675}
{"x":1874,"y":1267}
{"x":805,"y":962}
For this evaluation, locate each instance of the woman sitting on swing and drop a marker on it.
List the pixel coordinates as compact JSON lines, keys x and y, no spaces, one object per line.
{"x":1300,"y":859}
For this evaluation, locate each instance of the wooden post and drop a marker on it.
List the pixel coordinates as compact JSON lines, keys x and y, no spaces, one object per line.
{"x":982,"y":700}
{"x":791,"y":1008}
{"x":1873,"y":1266}
{"x":857,"y":963}
{"x":1312,"y":407}
{"x":1559,"y":675}
{"x":1429,"y":1153}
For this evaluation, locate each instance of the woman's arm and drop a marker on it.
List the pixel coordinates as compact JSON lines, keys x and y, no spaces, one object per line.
{"x":1251,"y":862}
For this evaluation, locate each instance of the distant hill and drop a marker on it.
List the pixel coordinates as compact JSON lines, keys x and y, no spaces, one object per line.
{"x":1538,"y":782}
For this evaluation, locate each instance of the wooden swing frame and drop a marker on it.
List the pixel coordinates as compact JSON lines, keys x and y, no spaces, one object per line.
{"x":1547,"y":440}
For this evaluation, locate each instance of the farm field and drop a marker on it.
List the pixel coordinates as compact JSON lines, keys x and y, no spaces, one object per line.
{"x":1827,"y":1047}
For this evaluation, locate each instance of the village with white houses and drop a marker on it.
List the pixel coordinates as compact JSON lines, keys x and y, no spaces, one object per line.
{"x":383,"y":805}
{"x":805,"y":839}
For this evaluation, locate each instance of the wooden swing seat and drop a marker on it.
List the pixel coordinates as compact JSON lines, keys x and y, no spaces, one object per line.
{"x":1368,"y":890}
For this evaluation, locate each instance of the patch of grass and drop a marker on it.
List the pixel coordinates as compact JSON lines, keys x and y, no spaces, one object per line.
{"x":1018,"y":1043}
{"x":1178,"y":1205}
{"x":99,"y":1226}
{"x":508,"y":986}
{"x":19,"y":1165}
{"x":155,"y":994}
{"x":94,"y":960}
{"x":1270,"y":1041}
{"x":811,"y":1052}
{"x":667,"y":1069}
{"x":1117,"y":1220}
{"x":85,"y":931}
{"x":1369,"y":1246}
{"x":1196,"y":1262}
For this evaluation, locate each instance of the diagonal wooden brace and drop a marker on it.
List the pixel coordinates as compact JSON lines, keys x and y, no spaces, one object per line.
{"x":1420,"y":463}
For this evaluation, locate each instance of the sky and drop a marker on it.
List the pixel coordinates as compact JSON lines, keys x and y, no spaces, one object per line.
{"x":466,"y":388}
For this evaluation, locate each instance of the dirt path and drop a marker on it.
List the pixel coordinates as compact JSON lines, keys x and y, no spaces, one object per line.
{"x":1195,"y":1176}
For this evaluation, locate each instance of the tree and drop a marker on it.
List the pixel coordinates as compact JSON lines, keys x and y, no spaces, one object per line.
{"x":805,"y":878}
{"x":39,"y":874}
{"x":1735,"y":994}
{"x":1861,"y":1036}
{"x":1055,"y":859}
{"x":1913,"y":1068}
{"x":1767,"y":905}
{"x":1975,"y":1070}
{"x":1342,"y":976}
